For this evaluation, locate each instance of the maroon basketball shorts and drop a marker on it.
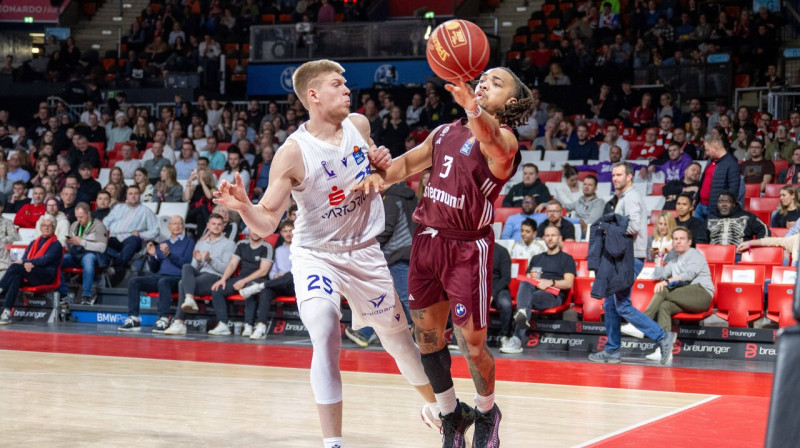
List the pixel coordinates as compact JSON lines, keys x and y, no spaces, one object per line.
{"x":454,"y":266}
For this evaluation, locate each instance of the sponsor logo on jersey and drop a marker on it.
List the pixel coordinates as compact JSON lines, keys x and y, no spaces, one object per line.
{"x":345,"y":208}
{"x":363,"y":173}
{"x":397,"y":317}
{"x":444,"y":131}
{"x":461,"y":310}
{"x":437,"y":195}
{"x":331,"y":174}
{"x":358,"y":155}
{"x":466,"y":149}
{"x":337,"y":197}
{"x":344,"y":161}
{"x":410,"y":298}
{"x":377,"y":301}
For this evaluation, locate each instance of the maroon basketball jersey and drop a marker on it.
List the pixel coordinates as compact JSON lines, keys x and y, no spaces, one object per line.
{"x":462,"y":188}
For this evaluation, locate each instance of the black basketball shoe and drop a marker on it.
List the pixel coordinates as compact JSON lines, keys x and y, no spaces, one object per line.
{"x":487,"y":428}
{"x":455,"y":424}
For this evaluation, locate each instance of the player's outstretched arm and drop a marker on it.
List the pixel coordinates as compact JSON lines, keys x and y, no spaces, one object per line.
{"x":412,"y":162}
{"x":498,"y":144}
{"x":263,"y":218}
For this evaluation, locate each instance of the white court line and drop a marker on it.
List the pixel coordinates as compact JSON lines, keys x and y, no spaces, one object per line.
{"x":634,"y":426}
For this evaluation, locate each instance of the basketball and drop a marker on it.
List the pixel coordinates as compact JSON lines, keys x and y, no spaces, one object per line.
{"x":458,"y":51}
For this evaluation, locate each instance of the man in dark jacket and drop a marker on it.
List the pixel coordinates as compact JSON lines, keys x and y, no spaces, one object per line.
{"x":690,"y":184}
{"x":501,"y":296}
{"x":732,"y":225}
{"x":530,"y":186}
{"x":720,"y":175}
{"x":399,"y":202}
{"x":38,"y":266}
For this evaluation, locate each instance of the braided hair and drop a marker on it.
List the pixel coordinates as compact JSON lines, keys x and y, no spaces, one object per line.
{"x":516,"y":114}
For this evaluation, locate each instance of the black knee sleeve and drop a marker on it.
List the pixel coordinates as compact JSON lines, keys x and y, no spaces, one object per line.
{"x":437,"y":368}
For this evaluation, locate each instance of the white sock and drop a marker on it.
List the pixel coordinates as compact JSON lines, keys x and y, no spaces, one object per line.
{"x":447,"y":401}
{"x":484,"y":404}
{"x":333,"y":442}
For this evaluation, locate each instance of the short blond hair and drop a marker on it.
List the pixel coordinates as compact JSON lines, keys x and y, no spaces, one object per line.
{"x":310,"y":72}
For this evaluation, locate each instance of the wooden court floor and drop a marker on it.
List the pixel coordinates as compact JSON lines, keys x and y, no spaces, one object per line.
{"x":73,"y":400}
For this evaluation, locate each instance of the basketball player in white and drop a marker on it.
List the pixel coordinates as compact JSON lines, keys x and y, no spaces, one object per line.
{"x":334,"y":251}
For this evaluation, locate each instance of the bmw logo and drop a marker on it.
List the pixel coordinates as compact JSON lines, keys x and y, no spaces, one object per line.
{"x":461,"y":310}
{"x":286,"y":79}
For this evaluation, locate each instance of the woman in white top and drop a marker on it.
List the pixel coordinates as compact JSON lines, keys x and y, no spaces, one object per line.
{"x":62,"y":223}
{"x":199,"y":139}
{"x":141,"y":179}
{"x":660,"y":243}
{"x":569,"y":191}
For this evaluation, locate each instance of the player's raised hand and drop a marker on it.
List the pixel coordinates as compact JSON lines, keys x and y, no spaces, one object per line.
{"x":463,"y":95}
{"x":232,"y":196}
{"x":379,"y":157}
{"x":375,"y":181}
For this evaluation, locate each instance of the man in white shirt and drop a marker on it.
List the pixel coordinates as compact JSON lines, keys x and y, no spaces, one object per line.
{"x":128,"y":164}
{"x":234,"y":166}
{"x":528,"y":246}
{"x":613,"y":138}
{"x":169,"y":153}
{"x":90,"y":109}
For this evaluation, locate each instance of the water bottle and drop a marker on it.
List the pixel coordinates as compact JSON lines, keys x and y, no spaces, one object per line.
{"x":237,"y":328}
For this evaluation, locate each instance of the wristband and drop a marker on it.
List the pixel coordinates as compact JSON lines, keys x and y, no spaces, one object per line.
{"x":476,"y":114}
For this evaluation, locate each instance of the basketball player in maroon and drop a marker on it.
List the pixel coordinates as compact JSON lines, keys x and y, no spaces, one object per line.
{"x":451,"y":257}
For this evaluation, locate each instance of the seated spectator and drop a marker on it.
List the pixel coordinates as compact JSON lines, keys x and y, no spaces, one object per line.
{"x":554,"y":212}
{"x":603,"y":168}
{"x":553,"y":268}
{"x":68,"y":198}
{"x":781,"y":147}
{"x":187,"y":162}
{"x":8,"y":233}
{"x":530,"y":186}
{"x":660,"y":242}
{"x":690,"y":184}
{"x":83,"y":153}
{"x":165,"y":260}
{"x":414,"y":111}
{"x":154,"y":165}
{"x":161,"y":137}
{"x":675,"y":167}
{"x":216,"y":159}
{"x":255,"y":258}
{"x":528,"y":245}
{"x":29,"y":214}
{"x":199,"y":194}
{"x":740,"y":147}
{"x":236,"y":165}
{"x":757,"y":170}
{"x":62,"y":223}
{"x":15,"y":170}
{"x":167,"y":189}
{"x":788,"y":210}
{"x":6,"y":184}
{"x":580,"y":147}
{"x":588,"y":208}
{"x":86,"y":244}
{"x":732,"y":224}
{"x":207,"y":266}
{"x":549,"y":141}
{"x":790,"y":174}
{"x":569,"y":190}
{"x":103,"y":206}
{"x":128,"y":164}
{"x":512,"y":226}
{"x":140,"y":179}
{"x":501,"y":296}
{"x":280,"y":283}
{"x":64,"y":169}
{"x":557,"y":77}
{"x":121,"y":132}
{"x":18,"y":199}
{"x":38,"y":266}
{"x":612,"y":138}
{"x":685,"y":286}
{"x":685,"y":207}
{"x":642,"y":116}
{"x":88,"y":187}
{"x":262,"y":179}
{"x":128,"y":224}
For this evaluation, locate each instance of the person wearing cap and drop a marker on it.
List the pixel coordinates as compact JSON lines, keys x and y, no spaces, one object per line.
{"x":121,"y":132}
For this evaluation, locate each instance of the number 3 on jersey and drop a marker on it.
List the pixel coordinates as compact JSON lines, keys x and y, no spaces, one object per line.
{"x":448,"y":163}
{"x":327,"y":285}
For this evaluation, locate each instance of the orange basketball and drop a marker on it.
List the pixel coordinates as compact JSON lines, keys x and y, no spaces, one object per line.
{"x":458,"y":51}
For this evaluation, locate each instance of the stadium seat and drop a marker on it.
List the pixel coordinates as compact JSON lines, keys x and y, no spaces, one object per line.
{"x":740,"y":298}
{"x":697,"y":317}
{"x":582,"y":268}
{"x":272,"y":238}
{"x":764,"y":204}
{"x":556,"y":310}
{"x":764,"y":215}
{"x":557,"y":157}
{"x":752,"y":190}
{"x":519,"y":266}
{"x":550,"y":176}
{"x":642,"y":293}
{"x":268,"y":18}
{"x":769,"y":257}
{"x":773,"y":190}
{"x":502,"y":213}
{"x":578,"y":250}
{"x":657,"y":189}
{"x":780,"y":296}
{"x":173,"y":208}
{"x":718,"y":255}
{"x":778,"y":231}
{"x":590,"y":308}
{"x":497,"y":202}
{"x":655,"y":201}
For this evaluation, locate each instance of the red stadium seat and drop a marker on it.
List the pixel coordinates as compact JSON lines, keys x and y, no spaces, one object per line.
{"x":497,"y":202}
{"x":697,"y":317}
{"x":519,"y":266}
{"x":550,"y":176}
{"x":502,"y":213}
{"x":582,"y":268}
{"x":642,"y":293}
{"x":578,"y":250}
{"x":271,"y":239}
{"x":740,"y":299}
{"x":768,"y":257}
{"x":764,"y":215}
{"x":778,"y":231}
{"x":773,"y":190}
{"x":590,"y":308}
{"x":583,"y":174}
{"x":657,"y":189}
{"x":718,"y":255}
{"x":752,"y":190}
{"x":780,"y":296}
{"x":780,"y":165}
{"x":764,"y":204}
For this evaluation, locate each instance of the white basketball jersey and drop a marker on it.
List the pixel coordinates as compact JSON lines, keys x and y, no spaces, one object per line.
{"x":330,"y":217}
